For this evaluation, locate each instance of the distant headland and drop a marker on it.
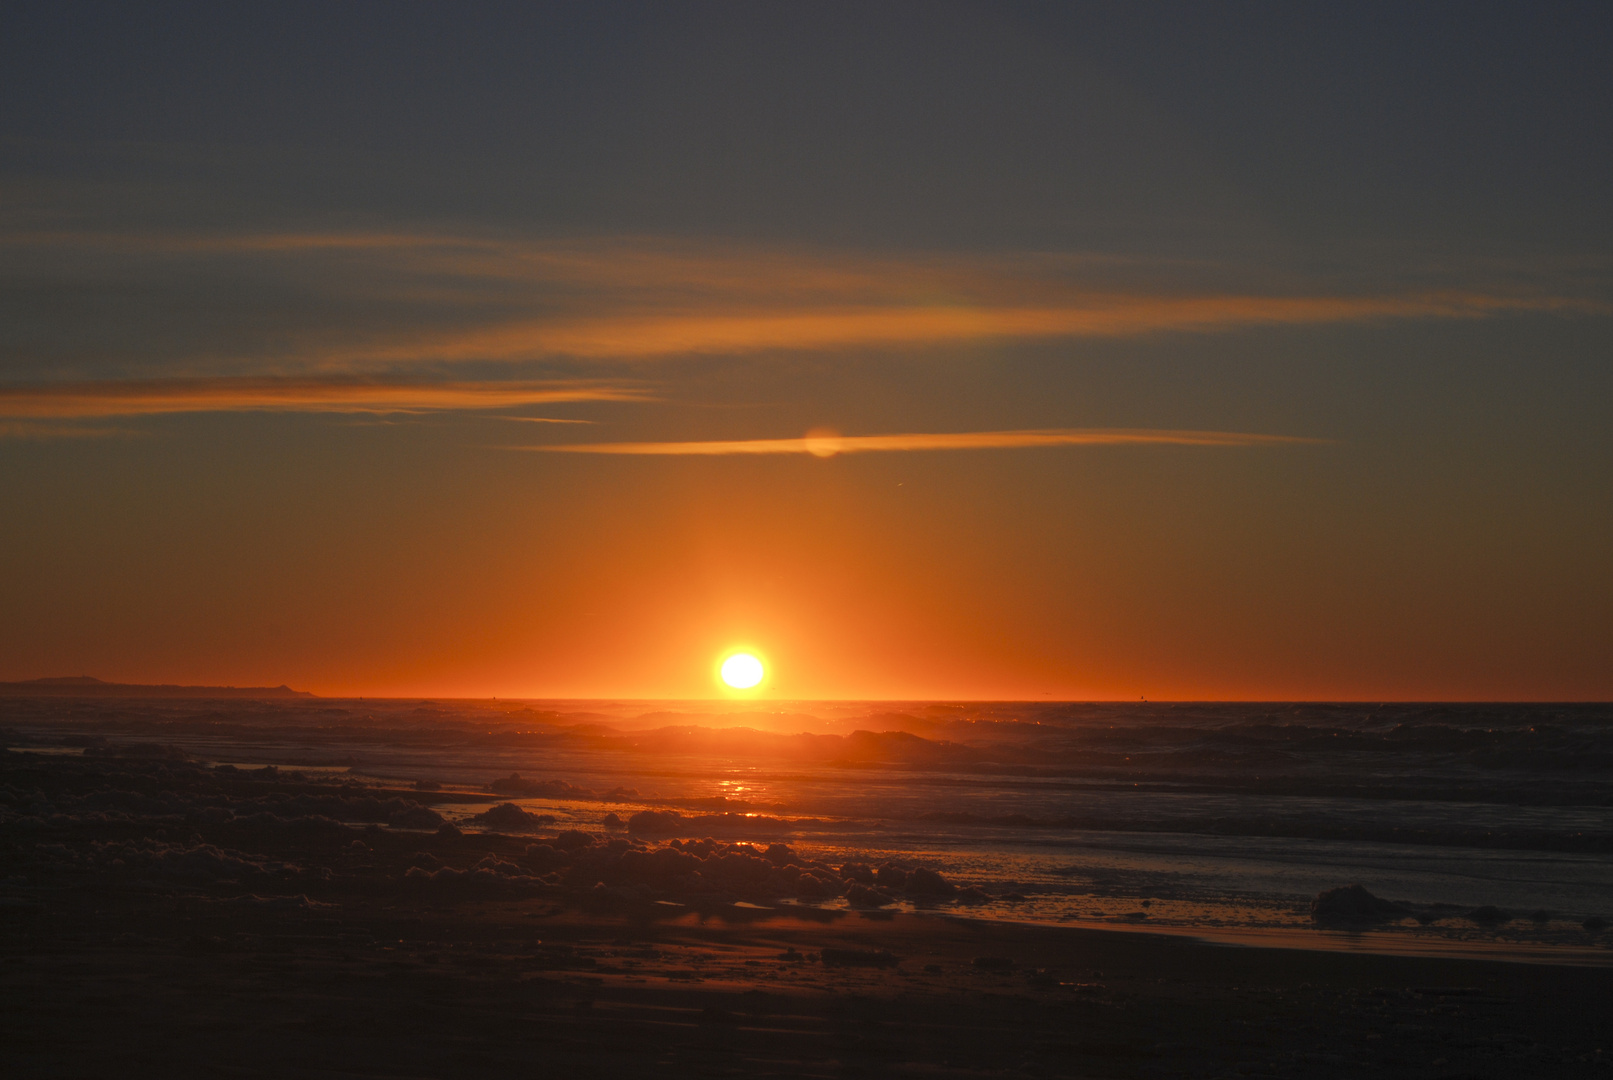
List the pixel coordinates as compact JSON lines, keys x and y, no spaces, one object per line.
{"x":86,"y":686}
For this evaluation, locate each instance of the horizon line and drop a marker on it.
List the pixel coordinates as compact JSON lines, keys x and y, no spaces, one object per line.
{"x":61,"y":681}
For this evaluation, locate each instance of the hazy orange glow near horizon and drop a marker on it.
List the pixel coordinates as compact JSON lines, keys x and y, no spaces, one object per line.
{"x":1007,"y":352}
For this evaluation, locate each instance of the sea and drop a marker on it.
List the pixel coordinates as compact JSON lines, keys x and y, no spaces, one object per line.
{"x":1490,"y":824}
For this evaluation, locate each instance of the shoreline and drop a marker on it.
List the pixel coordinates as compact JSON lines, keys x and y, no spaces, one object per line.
{"x":229,"y":783}
{"x":160,"y":918}
{"x":1326,"y":941}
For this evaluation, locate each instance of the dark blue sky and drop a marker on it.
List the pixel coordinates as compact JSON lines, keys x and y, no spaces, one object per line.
{"x":1463,"y":124}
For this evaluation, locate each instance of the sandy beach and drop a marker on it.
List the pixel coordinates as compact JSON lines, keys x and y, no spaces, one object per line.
{"x":160,"y":942}
{"x":199,"y":985}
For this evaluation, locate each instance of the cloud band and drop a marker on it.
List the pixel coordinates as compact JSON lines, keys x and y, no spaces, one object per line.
{"x":166,"y":396}
{"x":643,"y":337}
{"x":830,"y":444}
{"x":421,"y":298}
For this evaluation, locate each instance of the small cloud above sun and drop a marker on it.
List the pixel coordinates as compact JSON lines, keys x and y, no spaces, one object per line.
{"x":742,"y":671}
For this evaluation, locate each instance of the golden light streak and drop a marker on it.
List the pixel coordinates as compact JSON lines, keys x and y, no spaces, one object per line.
{"x":825,"y":444}
{"x":643,"y":337}
{"x":154,"y":397}
{"x":636,"y":298}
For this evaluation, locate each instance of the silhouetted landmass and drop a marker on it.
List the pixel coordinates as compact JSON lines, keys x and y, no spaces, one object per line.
{"x":88,"y":686}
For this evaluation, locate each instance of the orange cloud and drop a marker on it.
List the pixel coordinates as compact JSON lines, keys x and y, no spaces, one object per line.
{"x":28,"y":429}
{"x":639,"y":337}
{"x":828,"y":443}
{"x":472,"y":297}
{"x":153,"y":397}
{"x":544,"y":420}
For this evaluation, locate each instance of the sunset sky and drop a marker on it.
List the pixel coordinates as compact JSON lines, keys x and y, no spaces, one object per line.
{"x":992,"y":351}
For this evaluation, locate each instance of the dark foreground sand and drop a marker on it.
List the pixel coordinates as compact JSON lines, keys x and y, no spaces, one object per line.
{"x":148,"y":929}
{"x":109,"y":987}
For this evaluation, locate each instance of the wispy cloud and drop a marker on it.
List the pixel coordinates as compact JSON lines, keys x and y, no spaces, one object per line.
{"x":155,"y":397}
{"x":395,"y":299}
{"x":1094,"y":315}
{"x":41,"y":430}
{"x":544,"y":420}
{"x":829,"y":443}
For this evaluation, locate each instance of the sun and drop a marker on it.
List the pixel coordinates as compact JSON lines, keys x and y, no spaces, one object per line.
{"x":742,"y":671}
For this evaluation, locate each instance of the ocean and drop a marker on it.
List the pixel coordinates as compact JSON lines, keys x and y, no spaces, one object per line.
{"x":1490,"y":824}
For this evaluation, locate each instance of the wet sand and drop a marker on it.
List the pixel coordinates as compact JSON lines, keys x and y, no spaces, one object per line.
{"x":162,"y":917}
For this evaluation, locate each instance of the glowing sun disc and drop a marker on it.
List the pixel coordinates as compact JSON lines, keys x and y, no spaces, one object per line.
{"x":742,"y":671}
